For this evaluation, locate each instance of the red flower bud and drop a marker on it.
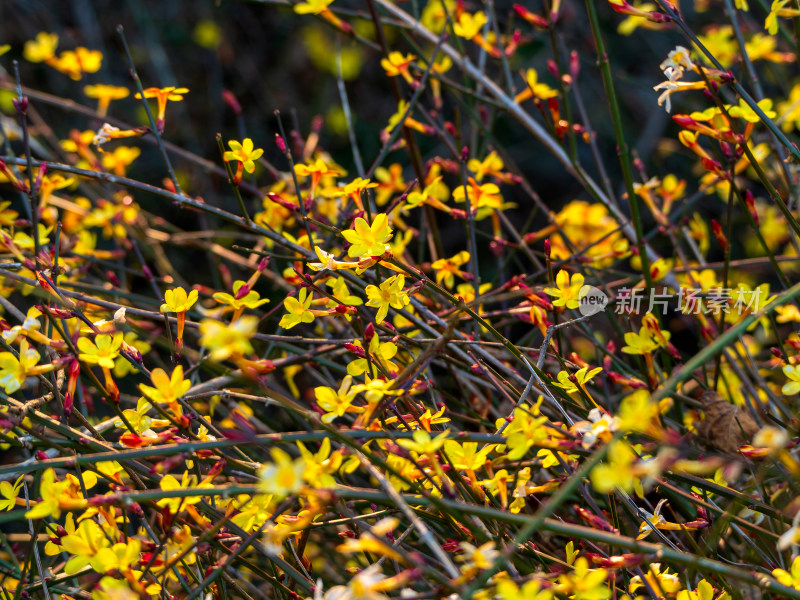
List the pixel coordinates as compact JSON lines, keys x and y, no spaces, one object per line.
{"x":279,"y":141}
{"x":718,"y":233}
{"x":357,"y":350}
{"x":232,"y":102}
{"x":751,"y":205}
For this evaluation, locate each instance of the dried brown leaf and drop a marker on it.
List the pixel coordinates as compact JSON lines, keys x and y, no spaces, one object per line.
{"x":726,"y":426}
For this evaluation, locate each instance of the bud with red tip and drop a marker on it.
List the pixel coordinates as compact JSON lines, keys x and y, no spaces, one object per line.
{"x":37,"y":183}
{"x":369,"y":333}
{"x":718,"y":233}
{"x":596,"y":521}
{"x":9,"y":174}
{"x":232,"y":102}
{"x":357,"y":350}
{"x":343,"y":309}
{"x":615,"y":562}
{"x":530,"y":17}
{"x":552,"y":68}
{"x":281,"y":143}
{"x":574,"y":64}
{"x":21,"y":104}
{"x":166,"y":465}
{"x":750,"y":201}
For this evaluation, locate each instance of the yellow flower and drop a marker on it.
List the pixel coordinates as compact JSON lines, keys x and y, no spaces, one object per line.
{"x":328,"y":261}
{"x":642,"y":343}
{"x":13,"y":370}
{"x":390,"y":293}
{"x":447,"y":268}
{"x":401,"y":118}
{"x":313,"y":7}
{"x":112,"y":588}
{"x":162,"y":96}
{"x":84,"y":543}
{"x":792,"y":386}
{"x":228,"y":340}
{"x":436,"y":14}
{"x":9,"y":493}
{"x":118,"y":557}
{"x":466,"y":456}
{"x":397,"y":64}
{"x":251,"y":299}
{"x":777,"y":10}
{"x":663,"y":584}
{"x":42,"y":48}
{"x":176,"y":503}
{"x":704,"y":591}
{"x":584,"y":583}
{"x":105,"y":94}
{"x":422,"y":442}
{"x":297,"y":309}
{"x":534,"y":89}
{"x":177,"y":300}
{"x":477,"y":558}
{"x":316,"y":170}
{"x":372,"y":541}
{"x":571,"y":383}
{"x":525,"y":430}
{"x":119,"y":159}
{"x":167,"y":388}
{"x":788,"y":313}
{"x":336,"y":403}
{"x":790,"y":579}
{"x":491,"y":165}
{"x":283,"y":477}
{"x":369,"y":240}
{"x":484,"y":199}
{"x":381,"y":353}
{"x":744,"y":111}
{"x":468,"y":26}
{"x":244,"y":154}
{"x":60,"y":495}
{"x":530,"y":590}
{"x":657,"y":521}
{"x":568,"y":292}
{"x":102,"y":351}
{"x":616,"y":471}
{"x":74,"y":63}
{"x":592,"y":230}
{"x":137,"y":418}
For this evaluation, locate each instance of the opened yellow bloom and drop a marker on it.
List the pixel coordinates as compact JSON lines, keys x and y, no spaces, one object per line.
{"x":369,"y":240}
{"x":568,"y":291}
{"x":390,"y":293}
{"x":42,"y":48}
{"x":167,"y":388}
{"x":312,"y":7}
{"x":468,"y":25}
{"x":245,"y":153}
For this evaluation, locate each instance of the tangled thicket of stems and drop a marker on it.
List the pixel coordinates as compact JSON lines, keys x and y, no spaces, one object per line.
{"x":391,"y":383}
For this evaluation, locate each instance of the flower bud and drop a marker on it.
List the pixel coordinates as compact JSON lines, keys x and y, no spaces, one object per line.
{"x":279,"y":141}
{"x":232,"y":102}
